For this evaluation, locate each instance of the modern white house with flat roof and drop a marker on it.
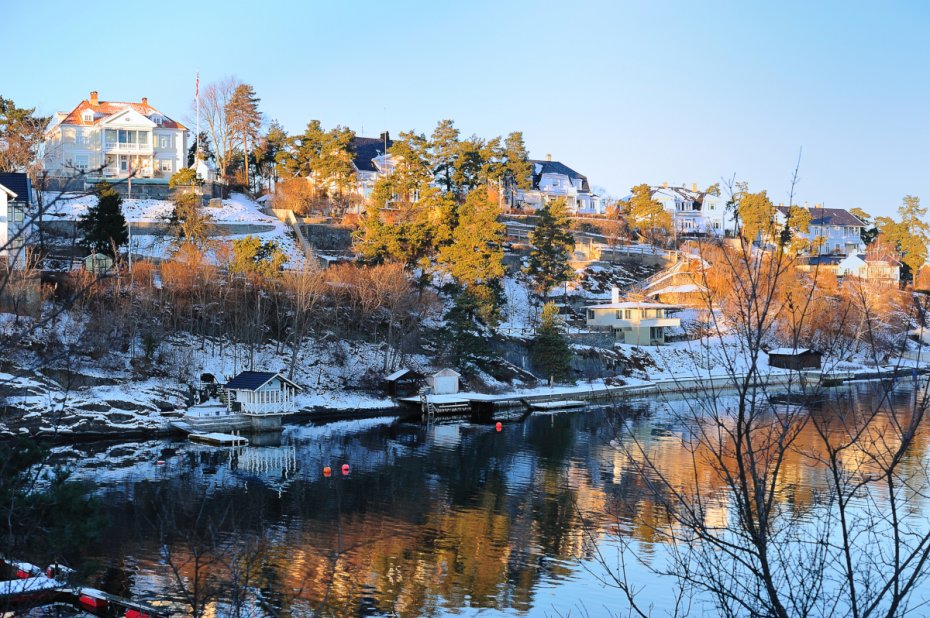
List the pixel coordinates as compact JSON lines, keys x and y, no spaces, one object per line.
{"x":635,"y":322}
{"x":114,"y":139}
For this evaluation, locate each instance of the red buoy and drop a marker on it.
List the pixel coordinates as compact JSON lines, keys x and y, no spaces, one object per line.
{"x":327,"y":471}
{"x":499,"y":426}
{"x":345,"y":469}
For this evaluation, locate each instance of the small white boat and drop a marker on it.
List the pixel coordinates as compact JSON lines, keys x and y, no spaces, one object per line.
{"x":557,"y":405}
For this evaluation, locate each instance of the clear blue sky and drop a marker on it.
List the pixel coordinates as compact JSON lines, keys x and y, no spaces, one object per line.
{"x":622,"y":92}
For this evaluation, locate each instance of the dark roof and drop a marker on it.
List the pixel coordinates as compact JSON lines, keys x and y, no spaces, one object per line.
{"x":824,"y":260}
{"x":829,"y":216}
{"x":556,"y":167}
{"x":18,"y":183}
{"x":254,"y":380}
{"x":366,"y":149}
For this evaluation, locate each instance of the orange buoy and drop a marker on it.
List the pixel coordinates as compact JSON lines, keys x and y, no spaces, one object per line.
{"x":327,"y":471}
{"x":345,"y":469}
{"x":499,"y":426}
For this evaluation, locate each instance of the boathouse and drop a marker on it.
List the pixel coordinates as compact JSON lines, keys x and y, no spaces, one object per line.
{"x":403,"y":382}
{"x":261,"y":392}
{"x":794,"y":358}
{"x":444,"y":382}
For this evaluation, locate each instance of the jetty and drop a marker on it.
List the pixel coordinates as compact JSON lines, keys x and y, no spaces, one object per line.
{"x":218,"y":439}
{"x":488,"y":408}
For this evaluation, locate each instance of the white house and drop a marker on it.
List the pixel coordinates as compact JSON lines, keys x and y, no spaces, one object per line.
{"x":113,"y":140}
{"x":835,"y":230}
{"x":371,"y":161}
{"x":694,"y":211}
{"x":261,"y":392}
{"x":15,"y":228}
{"x":552,"y":180}
{"x":870,"y":268}
{"x":637,"y":323}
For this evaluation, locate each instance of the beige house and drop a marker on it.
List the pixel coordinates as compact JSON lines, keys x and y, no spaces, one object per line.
{"x":636,"y":323}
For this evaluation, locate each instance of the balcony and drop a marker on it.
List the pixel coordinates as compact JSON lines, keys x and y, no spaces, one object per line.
{"x":127,"y":148}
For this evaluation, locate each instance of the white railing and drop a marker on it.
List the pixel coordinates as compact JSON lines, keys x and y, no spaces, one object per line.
{"x":127,"y":147}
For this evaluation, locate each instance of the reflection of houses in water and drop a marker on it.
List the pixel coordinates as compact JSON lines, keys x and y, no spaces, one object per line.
{"x":275,"y":466}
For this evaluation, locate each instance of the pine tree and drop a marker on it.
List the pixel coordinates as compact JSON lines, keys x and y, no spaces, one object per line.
{"x":647,"y":214}
{"x":475,"y":255}
{"x":444,"y":149}
{"x":550,"y":351}
{"x":464,"y":337}
{"x":206,"y":152}
{"x":104,"y":226}
{"x":553,"y":243}
{"x":244,"y":119}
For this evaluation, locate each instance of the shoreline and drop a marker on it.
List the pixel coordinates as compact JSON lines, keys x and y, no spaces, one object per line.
{"x":591,"y":393}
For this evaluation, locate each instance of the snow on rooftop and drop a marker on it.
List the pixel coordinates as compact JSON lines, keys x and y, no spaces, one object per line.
{"x":631,"y":305}
{"x":789,"y":351}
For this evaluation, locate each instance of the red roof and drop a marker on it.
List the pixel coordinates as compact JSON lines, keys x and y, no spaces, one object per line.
{"x":104,"y":109}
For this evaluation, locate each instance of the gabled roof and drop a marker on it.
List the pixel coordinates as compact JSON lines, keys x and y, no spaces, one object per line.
{"x":18,"y":183}
{"x":401,"y":373}
{"x":447,"y":372}
{"x":829,"y":216}
{"x":366,"y":149}
{"x":254,"y":380}
{"x":104,"y":109}
{"x":790,"y":351}
{"x":556,"y":167}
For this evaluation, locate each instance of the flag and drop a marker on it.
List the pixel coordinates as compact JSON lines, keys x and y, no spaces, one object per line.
{"x":197,"y":86}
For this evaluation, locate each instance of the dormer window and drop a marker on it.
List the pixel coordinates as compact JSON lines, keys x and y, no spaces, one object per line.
{"x":157,"y":119}
{"x":88,"y":116}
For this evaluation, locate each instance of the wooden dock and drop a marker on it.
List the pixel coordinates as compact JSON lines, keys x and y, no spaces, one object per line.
{"x":483,"y":408}
{"x":218,"y":439}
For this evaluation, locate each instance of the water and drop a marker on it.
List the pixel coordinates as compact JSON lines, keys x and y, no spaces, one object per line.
{"x":448,"y":520}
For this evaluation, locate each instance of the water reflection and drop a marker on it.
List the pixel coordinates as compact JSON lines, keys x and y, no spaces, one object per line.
{"x":447,"y":519}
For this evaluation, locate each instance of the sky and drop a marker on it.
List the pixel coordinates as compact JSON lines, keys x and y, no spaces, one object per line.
{"x":623,"y":92}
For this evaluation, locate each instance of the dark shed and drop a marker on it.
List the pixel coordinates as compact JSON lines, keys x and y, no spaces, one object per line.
{"x":403,"y":383}
{"x":794,"y":358}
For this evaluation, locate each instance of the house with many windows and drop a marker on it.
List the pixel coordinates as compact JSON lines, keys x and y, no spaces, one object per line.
{"x":114,"y":139}
{"x":371,"y":160}
{"x":694,"y":212}
{"x":552,"y":180}
{"x":833,"y":231}
{"x":15,"y":228}
{"x":632,"y":322}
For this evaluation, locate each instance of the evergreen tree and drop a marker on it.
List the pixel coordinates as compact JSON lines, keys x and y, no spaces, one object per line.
{"x":21,"y":135}
{"x":550,"y":351}
{"x":252,"y":256}
{"x":206,"y":152}
{"x":244,"y":120}
{"x":475,"y":255}
{"x":466,"y":340}
{"x":647,"y":214}
{"x":104,"y":226}
{"x":553,"y":243}
{"x":869,"y":233}
{"x":444,"y":150}
{"x":909,"y":236}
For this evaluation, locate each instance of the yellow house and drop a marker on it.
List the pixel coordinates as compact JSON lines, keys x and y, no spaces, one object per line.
{"x":636,"y":323}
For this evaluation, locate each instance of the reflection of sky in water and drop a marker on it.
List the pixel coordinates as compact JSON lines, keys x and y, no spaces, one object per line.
{"x":452,"y":518}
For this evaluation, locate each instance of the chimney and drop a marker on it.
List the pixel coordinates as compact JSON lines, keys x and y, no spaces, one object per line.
{"x":615,"y":294}
{"x":665,"y":185}
{"x":548,"y":157}
{"x":694,"y":187}
{"x":145,"y":101}
{"x":385,"y":136}
{"x":93,"y":98}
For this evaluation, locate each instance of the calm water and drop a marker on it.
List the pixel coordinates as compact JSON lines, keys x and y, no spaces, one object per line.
{"x":452,"y":519}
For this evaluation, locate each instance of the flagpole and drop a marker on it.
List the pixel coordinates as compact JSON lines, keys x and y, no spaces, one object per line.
{"x":197,"y":99}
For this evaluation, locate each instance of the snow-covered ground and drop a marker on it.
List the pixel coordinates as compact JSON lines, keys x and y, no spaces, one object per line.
{"x":238,"y":209}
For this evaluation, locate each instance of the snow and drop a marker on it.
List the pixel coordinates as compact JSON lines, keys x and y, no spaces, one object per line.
{"x":788,"y":351}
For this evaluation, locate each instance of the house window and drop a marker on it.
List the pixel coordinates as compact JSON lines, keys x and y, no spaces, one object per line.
{"x":80,"y":162}
{"x":157,"y":119}
{"x":165,"y":165}
{"x":655,"y":333}
{"x":88,"y":116}
{"x":15,"y":214}
{"x":164,"y":141}
{"x":628,"y":313}
{"x":590,"y":314}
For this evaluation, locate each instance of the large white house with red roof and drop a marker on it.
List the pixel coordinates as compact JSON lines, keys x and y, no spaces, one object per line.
{"x":113,"y":139}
